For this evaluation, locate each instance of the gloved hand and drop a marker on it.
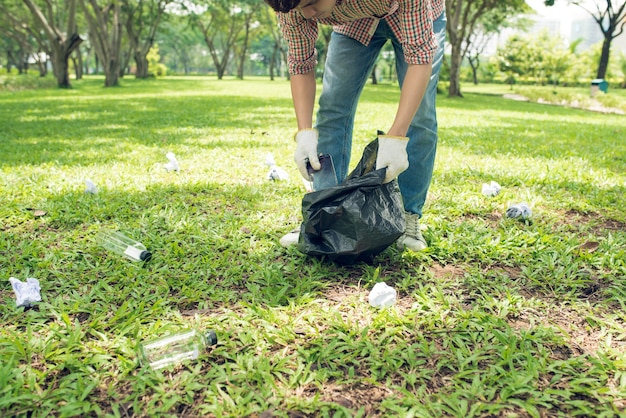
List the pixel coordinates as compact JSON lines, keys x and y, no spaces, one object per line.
{"x":392,"y":154}
{"x":306,"y":150}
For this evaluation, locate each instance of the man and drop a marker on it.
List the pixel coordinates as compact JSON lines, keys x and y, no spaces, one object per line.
{"x":416,"y":29}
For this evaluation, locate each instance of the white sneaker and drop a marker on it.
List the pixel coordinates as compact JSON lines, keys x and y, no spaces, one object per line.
{"x":290,"y":238}
{"x":412,"y":238}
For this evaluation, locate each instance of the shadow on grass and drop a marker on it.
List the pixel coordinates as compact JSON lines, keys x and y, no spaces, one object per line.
{"x":72,"y":131}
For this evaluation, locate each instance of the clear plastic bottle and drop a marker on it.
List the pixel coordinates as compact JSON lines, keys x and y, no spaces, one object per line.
{"x":120,"y":244}
{"x":175,"y":348}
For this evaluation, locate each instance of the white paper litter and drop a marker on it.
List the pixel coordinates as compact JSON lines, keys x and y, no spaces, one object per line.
{"x":172,"y":164}
{"x":27,"y":292}
{"x":491,"y":189}
{"x":382,"y":295}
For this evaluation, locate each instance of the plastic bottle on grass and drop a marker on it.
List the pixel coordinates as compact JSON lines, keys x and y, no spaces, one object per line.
{"x":120,"y":244}
{"x":175,"y":348}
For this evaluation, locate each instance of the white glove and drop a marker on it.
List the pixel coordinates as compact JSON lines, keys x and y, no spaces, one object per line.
{"x":392,"y":154}
{"x":306,"y":151}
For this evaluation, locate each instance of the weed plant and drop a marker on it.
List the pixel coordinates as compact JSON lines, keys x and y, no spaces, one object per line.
{"x":498,"y":317}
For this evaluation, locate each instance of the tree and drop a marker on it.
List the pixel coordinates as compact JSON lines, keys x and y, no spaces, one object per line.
{"x":610,"y":15}
{"x":556,"y":59}
{"x":249,"y":12}
{"x":142,"y":18}
{"x":514,"y":57}
{"x":155,"y":67}
{"x":221,"y":22}
{"x":463,"y":17}
{"x":488,"y":25}
{"x":105,"y":31}
{"x":179,"y":43}
{"x":279,"y":52}
{"x":542,"y":59}
{"x":19,"y":38}
{"x":60,"y":42}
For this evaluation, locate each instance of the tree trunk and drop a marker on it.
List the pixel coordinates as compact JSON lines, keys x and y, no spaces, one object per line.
{"x":19,"y":60}
{"x":244,"y":49}
{"x":125,"y":62}
{"x":474,"y":63}
{"x":142,"y":65}
{"x":9,"y":63}
{"x":61,"y":70}
{"x":283,"y":52}
{"x":43,"y":71}
{"x":220,"y":71}
{"x":141,"y":28}
{"x":61,"y":45}
{"x":273,"y":60}
{"x":604,"y":57}
{"x":86,"y":62}
{"x":78,"y":64}
{"x":453,"y":26}
{"x":105,"y":28}
{"x":60,"y":59}
{"x":454,"y":90}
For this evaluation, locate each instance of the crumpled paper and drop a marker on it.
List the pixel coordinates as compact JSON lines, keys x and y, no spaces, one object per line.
{"x":275,"y":173}
{"x":491,"y":189}
{"x":172,"y":164}
{"x":27,"y":292}
{"x":382,"y":295}
{"x":519,"y":210}
{"x":90,"y":187}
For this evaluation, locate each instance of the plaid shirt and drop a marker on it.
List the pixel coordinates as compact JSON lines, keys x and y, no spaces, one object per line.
{"x":410,"y":20}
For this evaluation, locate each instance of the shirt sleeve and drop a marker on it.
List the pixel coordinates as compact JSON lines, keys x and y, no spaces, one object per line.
{"x":300,"y":35}
{"x":416,"y":23}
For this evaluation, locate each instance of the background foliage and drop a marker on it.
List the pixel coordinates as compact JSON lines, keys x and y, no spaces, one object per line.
{"x":241,"y":38}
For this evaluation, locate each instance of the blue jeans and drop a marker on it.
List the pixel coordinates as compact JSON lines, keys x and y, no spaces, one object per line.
{"x":348,"y":67}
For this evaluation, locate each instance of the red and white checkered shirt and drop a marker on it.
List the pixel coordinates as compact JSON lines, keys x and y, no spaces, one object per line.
{"x":410,"y":20}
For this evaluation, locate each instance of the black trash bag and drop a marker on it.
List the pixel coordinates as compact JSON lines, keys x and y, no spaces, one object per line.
{"x":355,"y":220}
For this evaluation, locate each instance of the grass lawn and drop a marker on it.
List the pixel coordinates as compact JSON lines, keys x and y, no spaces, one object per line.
{"x":497,"y":318}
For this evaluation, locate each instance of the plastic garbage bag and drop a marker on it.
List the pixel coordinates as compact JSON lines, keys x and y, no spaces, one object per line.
{"x":26,"y":293}
{"x":355,"y":220}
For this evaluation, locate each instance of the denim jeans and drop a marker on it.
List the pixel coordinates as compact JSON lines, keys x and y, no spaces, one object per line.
{"x":348,"y":67}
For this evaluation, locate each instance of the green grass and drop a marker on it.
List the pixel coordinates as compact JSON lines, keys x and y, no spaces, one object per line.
{"x":496,"y":318}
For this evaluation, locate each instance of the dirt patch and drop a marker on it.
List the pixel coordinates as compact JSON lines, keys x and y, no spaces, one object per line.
{"x":581,"y":337}
{"x":362,"y":394}
{"x":516,"y":97}
{"x":598,"y":222}
{"x":447,"y":271}
{"x":492,"y":219}
{"x":592,"y":105}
